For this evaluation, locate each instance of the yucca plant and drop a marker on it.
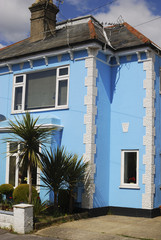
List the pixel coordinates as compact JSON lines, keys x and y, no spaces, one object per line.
{"x":75,"y":173}
{"x":54,"y":166}
{"x":62,"y":170}
{"x":31,"y":136}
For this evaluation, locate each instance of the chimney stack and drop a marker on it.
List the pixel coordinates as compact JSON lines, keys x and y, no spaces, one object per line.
{"x":43,"y":19}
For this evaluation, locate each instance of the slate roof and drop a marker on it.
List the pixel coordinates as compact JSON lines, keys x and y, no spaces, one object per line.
{"x":125,"y":36}
{"x":121,"y":36}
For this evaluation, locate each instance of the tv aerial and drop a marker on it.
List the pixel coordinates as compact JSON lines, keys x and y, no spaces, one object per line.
{"x":59,"y":2}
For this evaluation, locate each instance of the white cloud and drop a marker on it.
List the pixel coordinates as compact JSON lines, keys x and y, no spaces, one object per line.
{"x":14,"y":20}
{"x":81,"y":6}
{"x":2,"y":46}
{"x":134,"y":12}
{"x":15,"y":17}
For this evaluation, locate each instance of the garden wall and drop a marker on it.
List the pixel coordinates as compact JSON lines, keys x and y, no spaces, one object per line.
{"x":20,"y":220}
{"x":6,"y":219}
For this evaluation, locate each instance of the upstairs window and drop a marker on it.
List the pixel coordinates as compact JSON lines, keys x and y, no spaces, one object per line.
{"x":41,"y":90}
{"x":129,"y":167}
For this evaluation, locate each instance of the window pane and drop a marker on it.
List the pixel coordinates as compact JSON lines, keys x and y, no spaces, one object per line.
{"x":34,"y":176}
{"x":12,"y":170}
{"x":63,"y":71}
{"x":21,"y":147}
{"x":130,"y":165}
{"x":62,"y":97}
{"x":40,"y":90}
{"x":13,"y":147}
{"x":19,"y":79}
{"x":22,"y":175}
{"x":18,"y":98}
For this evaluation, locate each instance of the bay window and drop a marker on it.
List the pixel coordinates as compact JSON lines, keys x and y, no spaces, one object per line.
{"x":43,"y":89}
{"x":17,"y":173}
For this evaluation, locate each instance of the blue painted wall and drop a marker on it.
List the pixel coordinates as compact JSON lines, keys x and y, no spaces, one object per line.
{"x":157,"y":179}
{"x":72,"y":118}
{"x":120,"y":99}
{"x":102,"y":139}
{"x":126,"y":106}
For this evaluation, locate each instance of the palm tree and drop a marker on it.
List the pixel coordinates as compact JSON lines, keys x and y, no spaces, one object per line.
{"x":76,"y":172}
{"x":54,"y":164}
{"x":31,"y":136}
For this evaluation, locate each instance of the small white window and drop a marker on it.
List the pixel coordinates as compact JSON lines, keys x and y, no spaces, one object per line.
{"x":46,"y":89}
{"x":129,"y":168}
{"x":63,"y":71}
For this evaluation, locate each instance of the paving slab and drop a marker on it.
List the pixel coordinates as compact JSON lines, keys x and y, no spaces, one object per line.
{"x":106,"y":227}
{"x":5,"y":235}
{"x":2,"y":231}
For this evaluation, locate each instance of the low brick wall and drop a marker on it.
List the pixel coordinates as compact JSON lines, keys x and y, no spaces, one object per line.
{"x":20,"y":220}
{"x":6,"y":219}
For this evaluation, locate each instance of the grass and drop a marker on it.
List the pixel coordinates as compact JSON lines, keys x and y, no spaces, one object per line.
{"x":49,"y":215}
{"x":48,"y":218}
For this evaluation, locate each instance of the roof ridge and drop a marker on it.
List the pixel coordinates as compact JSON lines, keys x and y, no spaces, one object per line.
{"x":92,"y":30}
{"x":139,"y":35}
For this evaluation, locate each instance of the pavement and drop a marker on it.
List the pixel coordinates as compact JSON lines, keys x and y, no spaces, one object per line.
{"x":106,"y":227}
{"x":110,"y":227}
{"x":5,"y":235}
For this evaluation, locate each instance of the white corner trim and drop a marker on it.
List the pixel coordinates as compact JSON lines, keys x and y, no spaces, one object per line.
{"x":148,"y":139}
{"x":89,"y":121}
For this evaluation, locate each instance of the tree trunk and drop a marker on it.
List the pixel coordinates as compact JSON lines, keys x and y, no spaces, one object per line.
{"x":70,"y":201}
{"x":30,"y":184}
{"x":55,"y":200}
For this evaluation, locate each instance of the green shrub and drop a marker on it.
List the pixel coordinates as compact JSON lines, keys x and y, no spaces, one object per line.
{"x":21,"y":193}
{"x":39,"y":206}
{"x":6,"y":189}
{"x":63,"y":199}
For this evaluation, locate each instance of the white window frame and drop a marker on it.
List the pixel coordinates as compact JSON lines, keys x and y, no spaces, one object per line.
{"x":17,"y":168}
{"x":129,"y":185}
{"x":23,"y":85}
{"x":58,"y":79}
{"x":17,"y":85}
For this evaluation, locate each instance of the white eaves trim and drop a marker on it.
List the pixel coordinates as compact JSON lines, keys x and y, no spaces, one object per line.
{"x":127,"y":52}
{"x":50,"y":54}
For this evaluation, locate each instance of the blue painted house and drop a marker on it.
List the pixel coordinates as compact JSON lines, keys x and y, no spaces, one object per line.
{"x":101,"y":88}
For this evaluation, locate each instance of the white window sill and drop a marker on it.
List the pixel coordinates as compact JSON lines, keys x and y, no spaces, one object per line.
{"x":129,"y":186}
{"x":41,"y":110}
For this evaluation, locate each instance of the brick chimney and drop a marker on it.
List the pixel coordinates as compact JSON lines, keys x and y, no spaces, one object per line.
{"x":43,"y":19}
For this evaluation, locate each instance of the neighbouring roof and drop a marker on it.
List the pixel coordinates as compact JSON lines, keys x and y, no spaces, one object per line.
{"x":125,"y":36}
{"x":79,"y":31}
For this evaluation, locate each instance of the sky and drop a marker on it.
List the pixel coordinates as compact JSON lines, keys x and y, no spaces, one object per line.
{"x":144,"y":15}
